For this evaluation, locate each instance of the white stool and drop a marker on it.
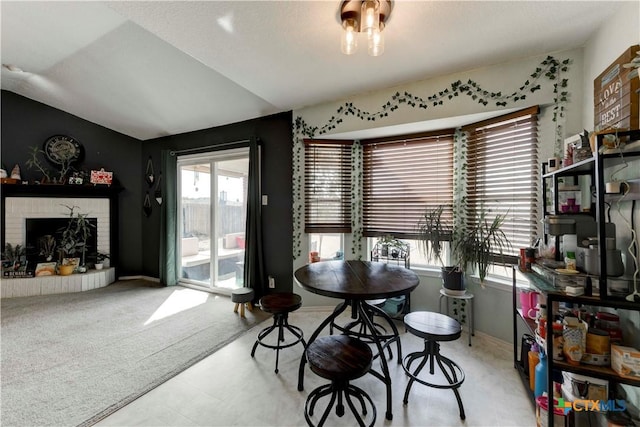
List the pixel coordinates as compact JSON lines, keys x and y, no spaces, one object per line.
{"x":467,"y":296}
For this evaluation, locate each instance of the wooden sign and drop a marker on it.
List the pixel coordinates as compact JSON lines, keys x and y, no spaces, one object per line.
{"x":616,"y":96}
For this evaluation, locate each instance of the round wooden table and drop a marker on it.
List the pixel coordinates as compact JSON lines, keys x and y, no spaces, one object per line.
{"x":355,"y":282}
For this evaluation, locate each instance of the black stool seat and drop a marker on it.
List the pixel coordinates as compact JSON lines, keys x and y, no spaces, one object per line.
{"x":280,"y":305}
{"x":339,"y":358}
{"x":433,"y":327}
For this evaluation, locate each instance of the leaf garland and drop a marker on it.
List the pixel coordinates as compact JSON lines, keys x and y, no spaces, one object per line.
{"x":550,"y":69}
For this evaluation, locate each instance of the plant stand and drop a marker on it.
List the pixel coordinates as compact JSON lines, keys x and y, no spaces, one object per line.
{"x":468,"y":296}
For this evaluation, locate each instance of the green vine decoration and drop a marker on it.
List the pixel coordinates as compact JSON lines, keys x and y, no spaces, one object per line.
{"x":356,"y":200}
{"x":550,"y":69}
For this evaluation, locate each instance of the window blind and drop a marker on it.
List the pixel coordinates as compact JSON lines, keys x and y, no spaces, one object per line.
{"x":327,"y":186}
{"x":502,"y":173}
{"x":401,"y":177}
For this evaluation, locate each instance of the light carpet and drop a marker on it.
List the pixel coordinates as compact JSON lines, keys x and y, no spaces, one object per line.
{"x":72,"y":359}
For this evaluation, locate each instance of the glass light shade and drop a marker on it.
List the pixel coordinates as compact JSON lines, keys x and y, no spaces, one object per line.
{"x":376,"y":43}
{"x":370,"y":16}
{"x":349,"y":42}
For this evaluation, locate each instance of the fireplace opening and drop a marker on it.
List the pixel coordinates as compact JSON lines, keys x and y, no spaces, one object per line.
{"x":43,"y":233}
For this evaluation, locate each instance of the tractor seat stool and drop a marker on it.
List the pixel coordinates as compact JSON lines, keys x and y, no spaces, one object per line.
{"x":433,"y":328}
{"x":280,"y":305}
{"x":242,"y":297}
{"x":339,"y":358}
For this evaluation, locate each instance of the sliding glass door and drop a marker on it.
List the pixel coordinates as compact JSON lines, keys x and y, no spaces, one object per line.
{"x":212,"y":206}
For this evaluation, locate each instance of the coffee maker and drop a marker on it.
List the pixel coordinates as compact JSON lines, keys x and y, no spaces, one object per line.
{"x":576,"y":233}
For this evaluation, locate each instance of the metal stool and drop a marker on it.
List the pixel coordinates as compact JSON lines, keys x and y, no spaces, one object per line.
{"x":339,"y":358}
{"x":280,"y":305}
{"x":433,"y":327}
{"x":242,"y":297}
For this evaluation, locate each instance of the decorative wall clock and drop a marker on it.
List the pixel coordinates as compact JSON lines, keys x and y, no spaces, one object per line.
{"x":62,"y":149}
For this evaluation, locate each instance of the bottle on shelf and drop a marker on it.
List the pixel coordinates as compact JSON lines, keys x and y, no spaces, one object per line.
{"x":533,"y":358}
{"x":541,"y":375}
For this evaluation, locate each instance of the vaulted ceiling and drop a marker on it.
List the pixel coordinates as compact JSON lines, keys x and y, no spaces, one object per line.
{"x":150,"y":69}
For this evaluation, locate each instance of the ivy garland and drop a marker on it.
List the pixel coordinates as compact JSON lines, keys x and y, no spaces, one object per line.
{"x":550,"y":69}
{"x":356,"y":200}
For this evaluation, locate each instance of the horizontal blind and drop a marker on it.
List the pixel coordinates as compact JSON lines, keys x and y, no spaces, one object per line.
{"x":402,"y":176}
{"x":502,"y":159}
{"x":327,"y":186}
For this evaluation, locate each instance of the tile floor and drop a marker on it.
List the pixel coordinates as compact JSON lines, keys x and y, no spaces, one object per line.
{"x":229,"y":388}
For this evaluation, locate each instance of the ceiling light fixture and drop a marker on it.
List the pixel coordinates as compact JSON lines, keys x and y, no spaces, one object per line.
{"x":364,"y":16}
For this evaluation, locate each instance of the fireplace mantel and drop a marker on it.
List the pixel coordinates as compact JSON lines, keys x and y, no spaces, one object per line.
{"x":70,"y":191}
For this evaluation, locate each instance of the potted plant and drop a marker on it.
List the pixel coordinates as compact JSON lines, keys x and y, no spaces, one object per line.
{"x":74,"y":237}
{"x":12,"y":257}
{"x":100,"y":258}
{"x":434,"y":231}
{"x":473,"y":247}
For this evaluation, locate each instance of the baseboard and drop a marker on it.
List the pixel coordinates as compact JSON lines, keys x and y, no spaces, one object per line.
{"x":140,"y":277}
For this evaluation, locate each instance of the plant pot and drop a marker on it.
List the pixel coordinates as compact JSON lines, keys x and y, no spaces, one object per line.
{"x":452,"y":279}
{"x":66,"y":270}
{"x":99,"y":266}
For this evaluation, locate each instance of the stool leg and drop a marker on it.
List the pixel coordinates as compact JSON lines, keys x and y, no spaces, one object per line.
{"x":242,"y":310}
{"x":235,"y":309}
{"x":408,"y":361}
{"x":446,"y":361}
{"x":250,"y":306}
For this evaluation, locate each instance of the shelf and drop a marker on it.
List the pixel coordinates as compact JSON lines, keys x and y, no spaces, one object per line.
{"x":525,"y":383}
{"x":65,"y":190}
{"x":578,"y":168}
{"x":531,"y":324}
{"x":602,"y":372}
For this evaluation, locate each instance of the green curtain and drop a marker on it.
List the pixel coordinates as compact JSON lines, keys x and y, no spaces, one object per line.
{"x":168,"y":220}
{"x":253,"y":256}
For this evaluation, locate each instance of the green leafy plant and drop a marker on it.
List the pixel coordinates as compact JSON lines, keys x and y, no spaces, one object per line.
{"x":75,"y":234}
{"x":101,"y":257}
{"x":472,"y":246}
{"x":477,"y":246}
{"x":34,"y":162}
{"x":433,"y":232}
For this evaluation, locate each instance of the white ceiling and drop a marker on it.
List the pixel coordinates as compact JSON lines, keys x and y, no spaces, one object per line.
{"x":150,"y":69}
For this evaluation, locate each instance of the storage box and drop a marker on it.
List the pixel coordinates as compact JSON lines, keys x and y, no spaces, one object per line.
{"x":580,"y":387}
{"x":625,"y":361}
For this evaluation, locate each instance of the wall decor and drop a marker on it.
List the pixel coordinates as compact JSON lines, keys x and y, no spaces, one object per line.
{"x":615,"y":95}
{"x":101,"y":177}
{"x":146,"y":206}
{"x":63,"y":149}
{"x":548,"y":72}
{"x":158,"y":193}
{"x":149,"y":176}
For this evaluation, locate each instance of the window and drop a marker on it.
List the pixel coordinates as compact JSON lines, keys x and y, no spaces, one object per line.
{"x":327,"y":245}
{"x":502,"y":162}
{"x":401,"y":177}
{"x":327,"y":186}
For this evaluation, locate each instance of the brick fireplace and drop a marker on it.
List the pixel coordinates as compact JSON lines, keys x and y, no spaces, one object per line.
{"x":20,"y":202}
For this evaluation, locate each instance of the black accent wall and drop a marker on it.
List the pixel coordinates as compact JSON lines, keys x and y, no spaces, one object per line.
{"x":275,"y":134}
{"x":26,"y":123}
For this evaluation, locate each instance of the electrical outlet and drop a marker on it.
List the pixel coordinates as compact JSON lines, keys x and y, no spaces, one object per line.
{"x":272,"y":283}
